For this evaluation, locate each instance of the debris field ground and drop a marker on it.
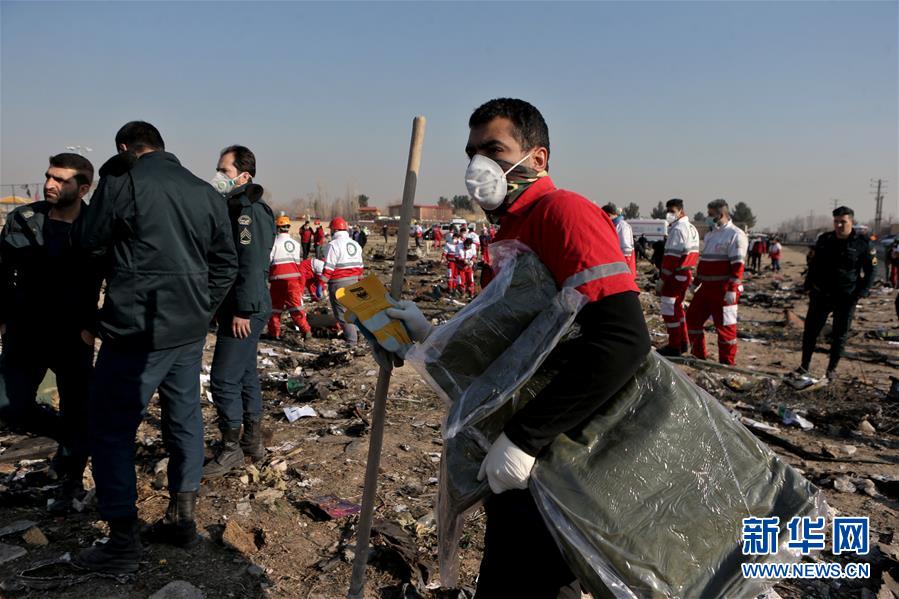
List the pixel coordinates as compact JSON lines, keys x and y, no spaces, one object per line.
{"x":284,"y":527}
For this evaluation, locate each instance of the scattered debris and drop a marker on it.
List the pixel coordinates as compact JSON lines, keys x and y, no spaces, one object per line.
{"x":238,"y":539}
{"x":333,"y":507}
{"x":294,"y":413}
{"x":35,"y":537}
{"x":866,"y":428}
{"x":789,"y":417}
{"x":17,"y":526}
{"x":178,"y":589}
{"x":844,"y":484}
{"x":10,"y":552}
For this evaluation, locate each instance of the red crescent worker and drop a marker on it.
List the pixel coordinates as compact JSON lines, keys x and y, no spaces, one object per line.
{"x":720,"y":277}
{"x":286,"y":281}
{"x":508,"y":147}
{"x":681,"y":255}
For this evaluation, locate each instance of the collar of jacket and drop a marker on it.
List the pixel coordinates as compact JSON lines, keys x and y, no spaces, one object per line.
{"x":340,"y":234}
{"x":531,"y":196}
{"x":252,"y":191}
{"x":44,"y":207}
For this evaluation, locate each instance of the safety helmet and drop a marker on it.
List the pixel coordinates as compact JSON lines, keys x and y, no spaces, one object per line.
{"x":338,"y":224}
{"x":282,"y":221}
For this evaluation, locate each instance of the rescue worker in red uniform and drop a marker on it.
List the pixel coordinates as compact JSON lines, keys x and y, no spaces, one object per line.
{"x":676,"y":274}
{"x":306,"y":239}
{"x":450,"y":252}
{"x":343,"y":267}
{"x":465,"y":260}
{"x":485,"y":245}
{"x":312,"y":269}
{"x":286,"y":282}
{"x":720,"y":278}
{"x":319,"y":239}
{"x":508,"y":146}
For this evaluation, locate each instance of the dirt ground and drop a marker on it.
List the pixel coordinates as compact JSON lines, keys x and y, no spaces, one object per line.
{"x":289,"y":548}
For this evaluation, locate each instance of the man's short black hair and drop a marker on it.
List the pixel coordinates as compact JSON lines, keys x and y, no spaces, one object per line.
{"x":719,"y":205}
{"x":138,"y":136}
{"x":844,"y":211}
{"x":530,"y":129}
{"x":244,"y":159}
{"x":84,"y":170}
{"x":610,"y":208}
{"x":675,"y":203}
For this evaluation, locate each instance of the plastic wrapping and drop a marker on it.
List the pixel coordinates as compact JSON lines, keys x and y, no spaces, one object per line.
{"x":479,"y":363}
{"x":647,"y":498}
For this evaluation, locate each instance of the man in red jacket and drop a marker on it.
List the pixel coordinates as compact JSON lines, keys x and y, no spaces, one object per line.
{"x":508,"y":176}
{"x":306,"y":239}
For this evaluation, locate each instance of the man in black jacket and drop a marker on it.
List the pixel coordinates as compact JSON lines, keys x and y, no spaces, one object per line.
{"x":165,"y":241}
{"x":234,"y":379}
{"x":839,"y":273}
{"x":48,"y":305}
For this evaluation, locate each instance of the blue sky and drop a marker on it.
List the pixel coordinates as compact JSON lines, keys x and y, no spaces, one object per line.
{"x":783,"y":105}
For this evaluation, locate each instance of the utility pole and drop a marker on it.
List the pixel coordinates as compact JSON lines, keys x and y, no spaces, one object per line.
{"x":878,"y":205}
{"x":835,"y":202}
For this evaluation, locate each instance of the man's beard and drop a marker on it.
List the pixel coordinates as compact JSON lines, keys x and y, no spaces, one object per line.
{"x":66,"y":199}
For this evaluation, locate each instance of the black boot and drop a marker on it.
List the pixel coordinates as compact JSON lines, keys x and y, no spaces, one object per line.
{"x":119,"y":555}
{"x":178,"y":526}
{"x":227,"y":457}
{"x":72,"y":486}
{"x":251,"y":442}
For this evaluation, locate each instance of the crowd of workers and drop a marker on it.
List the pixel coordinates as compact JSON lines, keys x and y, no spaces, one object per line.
{"x":177,"y":253}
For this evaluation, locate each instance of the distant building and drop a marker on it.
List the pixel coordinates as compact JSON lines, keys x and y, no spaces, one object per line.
{"x":431,"y":213}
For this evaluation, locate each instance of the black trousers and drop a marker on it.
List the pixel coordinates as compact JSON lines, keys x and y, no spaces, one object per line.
{"x":26,"y":357}
{"x":124,"y":382}
{"x":234,"y":380}
{"x":521,"y":558}
{"x":819,"y":308}
{"x":307,"y":249}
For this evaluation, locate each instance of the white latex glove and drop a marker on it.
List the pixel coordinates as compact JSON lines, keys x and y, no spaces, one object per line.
{"x":506,"y":466}
{"x":406,"y":311}
{"x":730,"y":298}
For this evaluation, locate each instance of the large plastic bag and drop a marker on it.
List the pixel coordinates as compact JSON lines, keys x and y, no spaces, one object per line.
{"x":479,"y":362}
{"x":647,"y":500}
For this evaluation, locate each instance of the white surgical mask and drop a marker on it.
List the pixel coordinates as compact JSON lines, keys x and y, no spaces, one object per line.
{"x":486,"y":181}
{"x":222,"y":183}
{"x":670,"y":217}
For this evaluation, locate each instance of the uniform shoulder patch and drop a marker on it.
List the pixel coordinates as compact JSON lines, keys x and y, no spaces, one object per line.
{"x":27,"y":213}
{"x":244,"y":219}
{"x":245,"y":237}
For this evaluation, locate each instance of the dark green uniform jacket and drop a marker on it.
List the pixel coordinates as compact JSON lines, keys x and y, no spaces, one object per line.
{"x":45,"y":283}
{"x":841,"y":267}
{"x":168,"y":252}
{"x":253,"y":229}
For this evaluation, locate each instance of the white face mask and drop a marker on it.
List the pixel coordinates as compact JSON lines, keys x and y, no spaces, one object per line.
{"x":670,"y":217}
{"x":486,"y":181}
{"x":222,"y":183}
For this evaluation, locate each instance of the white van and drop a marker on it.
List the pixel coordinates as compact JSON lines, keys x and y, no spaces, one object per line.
{"x":652,"y":229}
